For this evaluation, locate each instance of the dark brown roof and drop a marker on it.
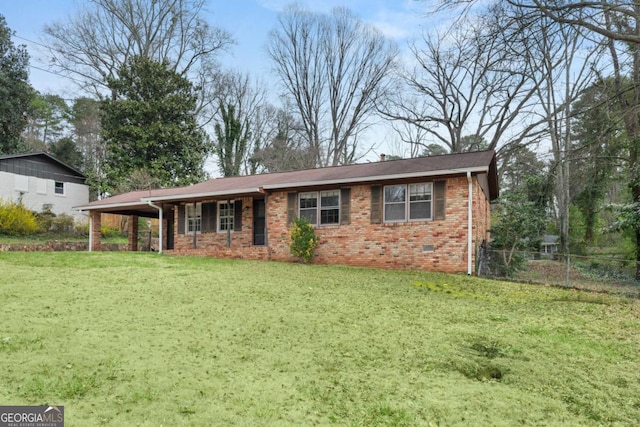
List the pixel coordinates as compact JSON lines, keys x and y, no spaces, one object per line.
{"x":476,"y":162}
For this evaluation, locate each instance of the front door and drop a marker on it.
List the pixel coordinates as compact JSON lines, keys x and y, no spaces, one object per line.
{"x":259,"y":222}
{"x":170,"y":228}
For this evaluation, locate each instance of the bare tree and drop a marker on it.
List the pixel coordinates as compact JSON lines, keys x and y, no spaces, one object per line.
{"x":467,"y":82}
{"x":252,"y":125}
{"x":619,"y":25}
{"x":416,"y":137}
{"x":287,"y":149}
{"x":94,"y":44}
{"x":85,"y":119}
{"x":567,"y":66}
{"x":333,"y":67}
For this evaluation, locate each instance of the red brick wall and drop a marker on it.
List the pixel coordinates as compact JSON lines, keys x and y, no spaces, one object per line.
{"x":133,"y":233}
{"x":360,"y":243}
{"x":96,"y":231}
{"x":394,"y":245}
{"x":215,"y":244}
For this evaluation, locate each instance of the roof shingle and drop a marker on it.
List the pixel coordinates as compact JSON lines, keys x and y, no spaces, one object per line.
{"x":481,"y":161}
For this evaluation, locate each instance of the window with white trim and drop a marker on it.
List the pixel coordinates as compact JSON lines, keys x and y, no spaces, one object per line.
{"x":226,"y":213}
{"x":420,"y":201}
{"x":320,"y":207}
{"x":412,"y":202}
{"x":308,"y":207}
{"x":395,"y":201}
{"x":330,"y":207}
{"x":59,"y":188}
{"x":194,"y":218}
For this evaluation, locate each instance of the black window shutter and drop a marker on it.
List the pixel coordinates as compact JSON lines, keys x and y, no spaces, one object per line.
{"x":209,"y":217}
{"x":376,"y":204}
{"x":181,"y":219}
{"x":292,"y":199}
{"x":345,"y":206}
{"x":439,"y":199}
{"x":237,"y":216}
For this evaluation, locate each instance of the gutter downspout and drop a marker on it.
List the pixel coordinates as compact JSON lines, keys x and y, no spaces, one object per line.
{"x":470,"y":227}
{"x":90,"y":231}
{"x":160,"y":226}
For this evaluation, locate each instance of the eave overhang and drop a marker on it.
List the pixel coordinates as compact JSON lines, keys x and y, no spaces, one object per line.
{"x":182,"y":195}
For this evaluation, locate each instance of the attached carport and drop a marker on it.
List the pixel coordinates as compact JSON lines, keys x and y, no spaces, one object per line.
{"x":131,"y":205}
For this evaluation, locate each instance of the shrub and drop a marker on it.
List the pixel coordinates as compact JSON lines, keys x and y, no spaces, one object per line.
{"x":107,"y":231}
{"x":16,"y":220}
{"x":62,"y":222}
{"x":303,"y":239}
{"x":82,"y":228}
{"x":45,"y":218}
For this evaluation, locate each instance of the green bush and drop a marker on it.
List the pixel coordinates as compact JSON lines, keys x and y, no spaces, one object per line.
{"x":107,"y":231}
{"x":303,"y":240}
{"x":16,"y":220}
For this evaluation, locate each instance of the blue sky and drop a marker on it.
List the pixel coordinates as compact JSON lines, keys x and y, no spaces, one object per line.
{"x":249,"y":21}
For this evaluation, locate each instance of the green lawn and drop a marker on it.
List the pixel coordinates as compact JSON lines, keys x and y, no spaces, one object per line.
{"x":141,"y":339}
{"x":42,"y":238}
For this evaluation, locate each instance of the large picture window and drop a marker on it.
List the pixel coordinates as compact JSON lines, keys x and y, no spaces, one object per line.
{"x":194,"y":218}
{"x":408,"y":202}
{"x":320,"y":208}
{"x":226,"y":213}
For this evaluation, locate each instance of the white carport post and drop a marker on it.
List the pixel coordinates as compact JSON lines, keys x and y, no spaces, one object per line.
{"x":160,"y":226}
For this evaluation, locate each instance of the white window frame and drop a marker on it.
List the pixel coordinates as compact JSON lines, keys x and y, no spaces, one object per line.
{"x":55,"y":188}
{"x":408,"y":202}
{"x":385,"y":203}
{"x":317,"y":195}
{"x":429,"y":186}
{"x":193,"y":219}
{"x":309,"y":195}
{"x":326,"y":208}
{"x":230,"y":216}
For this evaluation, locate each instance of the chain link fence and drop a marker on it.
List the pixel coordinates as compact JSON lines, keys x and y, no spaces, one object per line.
{"x":593,"y":273}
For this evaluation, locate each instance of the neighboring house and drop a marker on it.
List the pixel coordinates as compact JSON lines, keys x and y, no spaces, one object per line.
{"x":549,"y":244}
{"x":427,"y":213}
{"x":41,"y":182}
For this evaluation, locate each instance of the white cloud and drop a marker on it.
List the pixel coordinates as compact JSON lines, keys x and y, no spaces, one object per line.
{"x":397,"y":25}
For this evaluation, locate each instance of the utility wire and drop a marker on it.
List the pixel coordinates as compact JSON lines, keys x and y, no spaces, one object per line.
{"x":55,"y":74}
{"x":43,"y":69}
{"x":30,"y":41}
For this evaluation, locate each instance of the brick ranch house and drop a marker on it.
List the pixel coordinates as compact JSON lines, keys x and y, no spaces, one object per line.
{"x":428,"y":213}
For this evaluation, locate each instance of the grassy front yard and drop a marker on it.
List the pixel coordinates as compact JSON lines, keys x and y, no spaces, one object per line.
{"x":142,"y":339}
